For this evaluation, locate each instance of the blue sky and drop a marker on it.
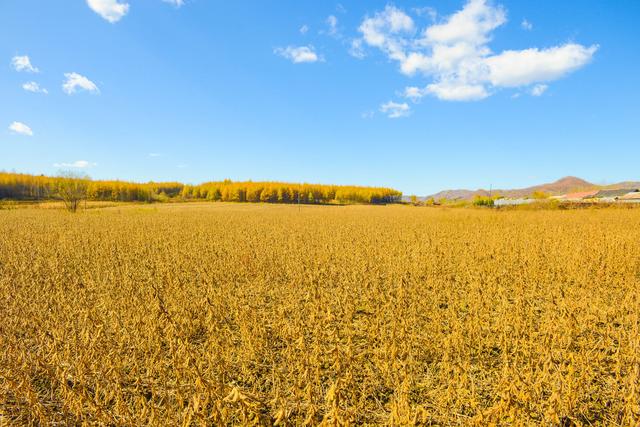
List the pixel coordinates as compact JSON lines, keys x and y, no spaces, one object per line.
{"x":416,"y":95}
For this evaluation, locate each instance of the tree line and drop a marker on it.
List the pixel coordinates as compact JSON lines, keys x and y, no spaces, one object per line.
{"x":17,"y":186}
{"x":281,"y":192}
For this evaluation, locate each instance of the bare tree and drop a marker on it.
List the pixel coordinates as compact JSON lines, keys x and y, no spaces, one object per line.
{"x":72,"y":189}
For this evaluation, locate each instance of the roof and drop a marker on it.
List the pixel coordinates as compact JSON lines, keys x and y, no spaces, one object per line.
{"x":512,"y":202}
{"x":614,"y":193}
{"x":631,"y":196}
{"x":580,"y":195}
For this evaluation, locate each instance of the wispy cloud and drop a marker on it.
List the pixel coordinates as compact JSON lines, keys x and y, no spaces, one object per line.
{"x":356,"y":49}
{"x":454,"y":53}
{"x":426,"y":11}
{"x":456,"y":91}
{"x":110,"y":10}
{"x":526,"y":25}
{"x":304,"y":29}
{"x":155,"y":155}
{"x":332,"y":23}
{"x":176,"y":3}
{"x":20,"y":129}
{"x":114,"y":10}
{"x":395,"y":110}
{"x":78,"y":164}
{"x":538,"y":90}
{"x":34,"y":87}
{"x":414,"y":93}
{"x":299,"y":54}
{"x":23,"y":63}
{"x":75,"y":82}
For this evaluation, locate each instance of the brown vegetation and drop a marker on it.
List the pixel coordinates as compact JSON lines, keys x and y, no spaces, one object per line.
{"x":221,"y":314}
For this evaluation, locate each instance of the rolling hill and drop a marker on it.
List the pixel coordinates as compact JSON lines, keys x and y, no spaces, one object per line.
{"x":562,"y":186}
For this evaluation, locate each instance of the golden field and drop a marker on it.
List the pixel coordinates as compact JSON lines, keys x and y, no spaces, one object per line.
{"x":229,"y":314}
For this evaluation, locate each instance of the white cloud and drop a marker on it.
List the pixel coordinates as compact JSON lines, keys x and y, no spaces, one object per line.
{"x":455,"y":91}
{"x":176,"y":3}
{"x":395,"y":110}
{"x":332,"y":22}
{"x":454,"y":54}
{"x":304,"y":29}
{"x":155,"y":155}
{"x":23,"y":63}
{"x":77,"y":82}
{"x":385,"y":29}
{"x":473,"y":24}
{"x":368,"y":114}
{"x":447,"y":91}
{"x":20,"y":129}
{"x":111,"y":10}
{"x":298,"y":54}
{"x":514,"y":68}
{"x":78,"y":164}
{"x":538,"y":90}
{"x":356,"y":50}
{"x":526,"y":25}
{"x":414,"y":93}
{"x":426,"y":11}
{"x":34,"y":87}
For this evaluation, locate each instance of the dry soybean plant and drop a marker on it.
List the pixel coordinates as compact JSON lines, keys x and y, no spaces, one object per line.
{"x":222,"y":314}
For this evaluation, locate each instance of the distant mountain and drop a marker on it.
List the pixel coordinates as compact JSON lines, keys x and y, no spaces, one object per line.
{"x":564,"y":185}
{"x":624,"y":184}
{"x":458,"y":194}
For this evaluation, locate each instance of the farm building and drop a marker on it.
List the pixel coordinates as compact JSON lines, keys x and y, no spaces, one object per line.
{"x":512,"y":202}
{"x":579,"y":196}
{"x":613,"y":194}
{"x":632,"y":197}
